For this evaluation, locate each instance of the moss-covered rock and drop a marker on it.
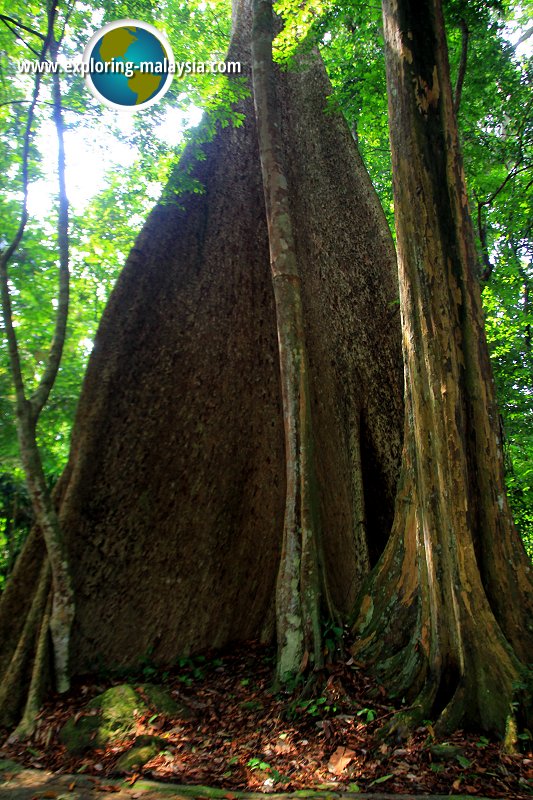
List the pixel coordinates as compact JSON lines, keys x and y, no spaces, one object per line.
{"x":143,"y":749}
{"x":111,"y":716}
{"x":106,"y":718}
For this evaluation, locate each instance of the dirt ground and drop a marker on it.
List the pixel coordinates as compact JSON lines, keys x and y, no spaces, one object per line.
{"x":32,"y":784}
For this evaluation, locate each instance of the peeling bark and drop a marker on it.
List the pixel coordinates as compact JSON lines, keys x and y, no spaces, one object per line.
{"x":446,"y":616}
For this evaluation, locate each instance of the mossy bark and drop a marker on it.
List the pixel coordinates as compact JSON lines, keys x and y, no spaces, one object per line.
{"x":446,"y":616}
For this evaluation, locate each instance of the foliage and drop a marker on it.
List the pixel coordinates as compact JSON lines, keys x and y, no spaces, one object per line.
{"x":16,"y":517}
{"x":319,"y":707}
{"x":351,"y":39}
{"x":262,"y":766}
{"x":496,"y":119}
{"x":367,"y":714}
{"x":506,"y":322}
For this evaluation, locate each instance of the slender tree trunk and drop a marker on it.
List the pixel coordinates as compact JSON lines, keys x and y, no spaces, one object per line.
{"x":298,"y":623}
{"x":446,"y":616}
{"x":61,"y":614}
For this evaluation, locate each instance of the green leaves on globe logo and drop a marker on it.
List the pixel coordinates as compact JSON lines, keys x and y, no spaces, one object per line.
{"x":128,"y":65}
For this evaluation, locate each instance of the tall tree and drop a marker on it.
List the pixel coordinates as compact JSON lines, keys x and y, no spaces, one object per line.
{"x":175,"y":495}
{"x":446,"y":615}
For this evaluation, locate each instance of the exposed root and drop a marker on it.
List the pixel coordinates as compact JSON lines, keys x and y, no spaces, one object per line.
{"x":38,"y":682}
{"x":28,"y":652}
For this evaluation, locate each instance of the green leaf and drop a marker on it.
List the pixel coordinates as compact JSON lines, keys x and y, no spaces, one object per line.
{"x":381,"y":780}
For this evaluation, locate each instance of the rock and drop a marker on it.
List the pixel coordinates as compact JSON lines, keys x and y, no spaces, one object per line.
{"x":111,"y":716}
{"x":143,"y":749}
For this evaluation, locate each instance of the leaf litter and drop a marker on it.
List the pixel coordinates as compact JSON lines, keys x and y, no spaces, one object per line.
{"x":240,"y":734}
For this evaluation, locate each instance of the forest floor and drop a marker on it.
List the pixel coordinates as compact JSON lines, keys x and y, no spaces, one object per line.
{"x":240,"y":736}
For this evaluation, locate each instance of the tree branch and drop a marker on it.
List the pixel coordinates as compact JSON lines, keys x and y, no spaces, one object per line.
{"x":516,"y":170}
{"x":525,"y":310}
{"x":7,"y":254}
{"x":482,"y":228}
{"x":62,"y":613}
{"x":525,"y":36}
{"x":44,"y":103}
{"x":40,"y":396}
{"x":17,"y":35}
{"x":5,"y":19}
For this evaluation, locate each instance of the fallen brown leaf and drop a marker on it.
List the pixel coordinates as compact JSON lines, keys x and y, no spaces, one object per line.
{"x":340,"y":760}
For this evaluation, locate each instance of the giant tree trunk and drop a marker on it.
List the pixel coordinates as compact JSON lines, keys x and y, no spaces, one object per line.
{"x":173,"y":499}
{"x":446,"y":616}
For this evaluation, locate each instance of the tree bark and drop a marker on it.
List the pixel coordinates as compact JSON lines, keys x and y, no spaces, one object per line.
{"x":298,"y":602}
{"x":446,"y":615}
{"x":173,"y":500}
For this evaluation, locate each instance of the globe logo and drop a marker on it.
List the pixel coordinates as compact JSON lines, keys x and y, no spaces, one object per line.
{"x":128,"y":65}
